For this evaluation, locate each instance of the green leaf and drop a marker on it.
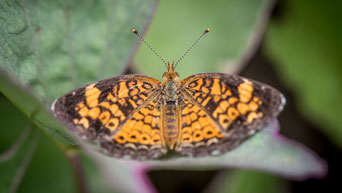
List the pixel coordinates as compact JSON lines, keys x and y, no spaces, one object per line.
{"x":236,"y":29}
{"x":15,"y":160}
{"x":48,"y":169}
{"x":56,"y":46}
{"x":266,"y":151}
{"x":305,"y":46}
{"x":245,"y":181}
{"x":52,"y":47}
{"x":116,"y":172}
{"x":95,"y":180}
{"x":33,"y":109}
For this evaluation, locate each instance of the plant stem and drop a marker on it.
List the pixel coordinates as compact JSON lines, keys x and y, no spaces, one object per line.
{"x":78,"y":171}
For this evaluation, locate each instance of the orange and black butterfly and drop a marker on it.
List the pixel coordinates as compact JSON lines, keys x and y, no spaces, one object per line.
{"x":139,"y":117}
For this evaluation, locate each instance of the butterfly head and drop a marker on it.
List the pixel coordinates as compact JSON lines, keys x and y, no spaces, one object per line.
{"x":170,"y":74}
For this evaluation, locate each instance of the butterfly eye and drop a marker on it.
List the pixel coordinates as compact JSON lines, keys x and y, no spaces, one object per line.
{"x":164,"y":74}
{"x":177,"y":74}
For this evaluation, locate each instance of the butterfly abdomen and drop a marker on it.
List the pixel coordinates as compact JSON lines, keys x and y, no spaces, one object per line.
{"x":170,"y":126}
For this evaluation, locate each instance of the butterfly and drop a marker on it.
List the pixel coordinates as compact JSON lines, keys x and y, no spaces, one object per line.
{"x":139,"y":117}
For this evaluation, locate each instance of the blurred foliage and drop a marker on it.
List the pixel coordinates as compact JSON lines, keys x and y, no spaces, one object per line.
{"x":94,"y":178}
{"x":49,"y":170}
{"x":245,"y":181}
{"x":236,"y":26}
{"x":14,"y":146}
{"x":48,"y":167}
{"x":305,"y":43}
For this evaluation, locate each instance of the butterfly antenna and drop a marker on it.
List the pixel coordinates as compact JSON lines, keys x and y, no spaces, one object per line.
{"x":148,"y":45}
{"x":187,"y":51}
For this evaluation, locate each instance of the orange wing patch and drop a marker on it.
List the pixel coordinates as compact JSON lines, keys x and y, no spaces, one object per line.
{"x":198,"y":132}
{"x":140,"y":130}
{"x":111,"y":107}
{"x":227,"y":104}
{"x":140,"y":137}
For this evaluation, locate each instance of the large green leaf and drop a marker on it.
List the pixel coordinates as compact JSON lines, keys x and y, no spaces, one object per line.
{"x":265,"y":151}
{"x":236,"y":30}
{"x":305,"y":44}
{"x":56,"y":46}
{"x":52,"y":47}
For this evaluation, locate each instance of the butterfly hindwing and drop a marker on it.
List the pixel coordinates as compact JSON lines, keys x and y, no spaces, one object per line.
{"x":140,"y":137}
{"x":199,"y":136}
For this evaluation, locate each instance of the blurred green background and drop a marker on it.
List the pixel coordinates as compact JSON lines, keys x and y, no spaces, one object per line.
{"x":291,"y":45}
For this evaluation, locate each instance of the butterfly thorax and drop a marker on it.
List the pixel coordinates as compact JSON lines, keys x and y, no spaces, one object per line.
{"x":170,"y":85}
{"x":170,"y":107}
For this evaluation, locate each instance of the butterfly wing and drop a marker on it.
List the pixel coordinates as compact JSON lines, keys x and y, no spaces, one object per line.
{"x":199,"y":136}
{"x":231,"y":107}
{"x":118,"y":113}
{"x":140,"y":137}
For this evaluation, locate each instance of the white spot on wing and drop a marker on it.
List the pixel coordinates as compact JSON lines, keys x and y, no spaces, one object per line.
{"x":90,"y":86}
{"x":53,"y":105}
{"x":211,"y":141}
{"x":283,"y":102}
{"x":216,"y":152}
{"x":200,"y":144}
{"x":251,"y":132}
{"x":130,"y":145}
